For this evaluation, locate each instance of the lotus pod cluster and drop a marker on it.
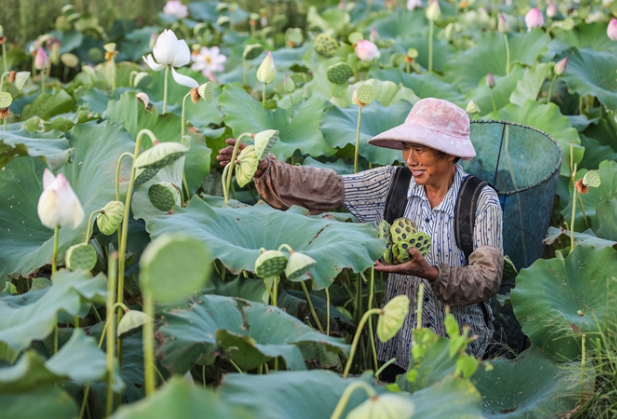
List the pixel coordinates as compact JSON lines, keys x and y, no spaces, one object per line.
{"x":401,"y":236}
{"x":163,"y":195}
{"x":325,"y":45}
{"x":81,"y":256}
{"x":339,"y":73}
{"x":272,"y":263}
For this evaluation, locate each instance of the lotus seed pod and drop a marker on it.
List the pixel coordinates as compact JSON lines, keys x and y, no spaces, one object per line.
{"x":294,"y":37}
{"x":384,"y":406}
{"x":592,"y":179}
{"x":160,"y":155}
{"x":392,"y":317}
{"x":270,"y":263}
{"x":5,"y":100}
{"x":163,"y":195}
{"x":206,"y":91}
{"x":109,"y":220}
{"x":252,"y":51}
{"x":298,"y":266}
{"x":131,"y":322}
{"x":299,"y":78}
{"x":472,"y":107}
{"x":69,"y":60}
{"x":325,"y":45}
{"x":81,"y":256}
{"x":110,"y":47}
{"x":245,"y":170}
{"x":402,"y":229}
{"x":20,"y":79}
{"x":422,"y":242}
{"x":366,"y":94}
{"x":401,"y":252}
{"x":509,"y":270}
{"x":264,"y":141}
{"x":223,"y":21}
{"x":383,"y":232}
{"x":339,"y":73}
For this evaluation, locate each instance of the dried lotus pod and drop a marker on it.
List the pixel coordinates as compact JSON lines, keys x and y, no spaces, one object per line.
{"x":339,"y":73}
{"x":264,"y":141}
{"x":402,"y":228}
{"x":509,"y":270}
{"x":365,"y":94}
{"x":325,"y":45}
{"x":131,"y":322}
{"x":163,"y":195}
{"x":154,"y":159}
{"x":392,"y":317}
{"x":81,"y":256}
{"x":270,"y":263}
{"x":247,"y":166}
{"x":110,"y":217}
{"x":384,"y":406}
{"x":422,"y":242}
{"x":298,"y":265}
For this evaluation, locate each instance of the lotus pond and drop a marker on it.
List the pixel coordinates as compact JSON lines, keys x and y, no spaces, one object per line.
{"x":140,"y":279}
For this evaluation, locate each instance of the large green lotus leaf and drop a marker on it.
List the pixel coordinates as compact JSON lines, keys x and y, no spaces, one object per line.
{"x":504,"y":88}
{"x":387,"y":93}
{"x":62,"y":122}
{"x":532,"y":386}
{"x":235,"y":237}
{"x":590,"y":35}
{"x":530,"y":84}
{"x":606,"y":212}
{"x":592,"y":73}
{"x":50,"y":147}
{"x":44,"y":402}
{"x":587,"y":238}
{"x":400,"y":24}
{"x":25,"y":244}
{"x":21,"y":324}
{"x":489,"y":55}
{"x":179,"y":399}
{"x":423,"y":85}
{"x":136,"y":44}
{"x":130,"y":113}
{"x":547,"y":118}
{"x":557,"y":301}
{"x":80,"y":360}
{"x":443,"y":52}
{"x":339,"y":128}
{"x":47,"y":105}
{"x":245,"y":114}
{"x":96,"y":99}
{"x":452,"y":398}
{"x":595,"y":153}
{"x":606,"y":190}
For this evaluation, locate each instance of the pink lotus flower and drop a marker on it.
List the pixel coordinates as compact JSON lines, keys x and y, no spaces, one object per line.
{"x":41,"y":60}
{"x":611,"y":31}
{"x":208,"y":61}
{"x":176,"y":8}
{"x":58,"y":205}
{"x":561,"y":66}
{"x":534,"y":19}
{"x":366,"y":50}
{"x":412,"y":4}
{"x":551,"y":10}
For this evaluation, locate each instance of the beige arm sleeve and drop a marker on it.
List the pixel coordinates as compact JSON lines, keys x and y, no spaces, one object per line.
{"x":465,"y":285}
{"x":282,"y":185}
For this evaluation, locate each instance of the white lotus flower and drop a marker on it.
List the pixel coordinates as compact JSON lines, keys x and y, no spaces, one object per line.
{"x":168,"y":50}
{"x":184,"y":80}
{"x":176,"y":8}
{"x":208,"y":60}
{"x":58,"y":205}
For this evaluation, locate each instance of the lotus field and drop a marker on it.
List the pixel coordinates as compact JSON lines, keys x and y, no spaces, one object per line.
{"x":140,"y":278}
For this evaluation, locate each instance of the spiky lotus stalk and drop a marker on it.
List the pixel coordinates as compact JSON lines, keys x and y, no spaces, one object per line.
{"x":339,"y":73}
{"x":364,"y":95}
{"x":325,"y":45}
{"x":81,"y":256}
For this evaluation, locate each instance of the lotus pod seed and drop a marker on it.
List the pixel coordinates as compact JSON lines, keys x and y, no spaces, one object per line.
{"x":366,"y":94}
{"x":392,"y":317}
{"x":81,"y":256}
{"x":110,"y":218}
{"x":294,"y":37}
{"x":163,"y":195}
{"x":339,"y":73}
{"x":206,"y":91}
{"x":252,"y":51}
{"x":402,"y":228}
{"x":270,"y":263}
{"x":298,"y":265}
{"x":131,"y":322}
{"x":264,"y":141}
{"x":5,"y":100}
{"x":592,"y":179}
{"x":422,"y":242}
{"x":325,"y":45}
{"x":247,"y":166}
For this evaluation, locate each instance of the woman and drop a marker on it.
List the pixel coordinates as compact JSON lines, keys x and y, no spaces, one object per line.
{"x":433,"y":138}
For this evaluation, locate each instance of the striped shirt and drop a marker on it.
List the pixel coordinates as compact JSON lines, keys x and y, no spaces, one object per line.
{"x":365,"y":197}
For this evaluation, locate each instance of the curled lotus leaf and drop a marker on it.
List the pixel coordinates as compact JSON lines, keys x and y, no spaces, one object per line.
{"x":247,"y":166}
{"x":81,"y":256}
{"x":110,"y":218}
{"x":264,"y":141}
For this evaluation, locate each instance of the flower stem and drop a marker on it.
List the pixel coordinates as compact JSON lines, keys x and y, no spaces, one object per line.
{"x":574,"y":192}
{"x":583,"y":371}
{"x":356,"y":338}
{"x":42,"y":81}
{"x":430,"y":45}
{"x":550,"y":89}
{"x":112,"y":62}
{"x":243,"y":72}
{"x":4,"y":76}
{"x":231,"y":165}
{"x":384,"y":366}
{"x":311,"y":307}
{"x":148,"y":342}
{"x":123,"y":155}
{"x":54,"y":253}
{"x":419,"y":309}
{"x":111,"y":329}
{"x":182,"y":118}
{"x":4,"y":60}
{"x":342,"y":403}
{"x":493,"y":100}
{"x":165,"y":90}
{"x":327,"y":312}
{"x":90,"y":225}
{"x":355,"y":158}
{"x":263,"y":96}
{"x":505,"y":38}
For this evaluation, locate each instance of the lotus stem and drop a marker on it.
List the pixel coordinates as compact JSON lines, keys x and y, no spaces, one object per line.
{"x":356,"y":338}
{"x":311,"y":307}
{"x":550,"y":89}
{"x":4,"y":124}
{"x":384,"y":366}
{"x":419,"y":309}
{"x":132,"y":77}
{"x":370,"y":323}
{"x":327,"y":312}
{"x":148,"y":342}
{"x":342,"y":403}
{"x":90,"y":225}
{"x":182,"y":118}
{"x":112,"y":62}
{"x":243,"y":72}
{"x":224,"y":181}
{"x":263,"y":96}
{"x":76,"y":321}
{"x":165,"y":90}
{"x":583,"y":371}
{"x":275,"y":292}
{"x":111,"y":329}
{"x":493,"y":101}
{"x":505,"y":38}
{"x":575,"y":193}
{"x":4,"y":75}
{"x":54,"y":252}
{"x":580,"y":202}
{"x":123,"y":155}
{"x":231,"y":165}
{"x":4,"y":60}
{"x":355,"y":158}
{"x":233,"y":364}
{"x":185,"y":187}
{"x":430,"y":45}
{"x":42,"y":81}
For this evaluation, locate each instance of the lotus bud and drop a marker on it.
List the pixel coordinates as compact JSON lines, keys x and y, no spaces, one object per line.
{"x":247,"y":165}
{"x":144,"y":98}
{"x":41,"y":60}
{"x":374,"y":35}
{"x":364,"y":95}
{"x":267,"y":70}
{"x":611,"y":31}
{"x":433,"y":11}
{"x":392,"y":317}
{"x":384,"y":406}
{"x":110,"y":217}
{"x":131,"y":321}
{"x":298,"y":266}
{"x":551,"y":10}
{"x":366,"y":50}
{"x":252,"y":51}
{"x":153,"y":39}
{"x":58,"y":205}
{"x":502,"y":24}
{"x":561,"y":66}
{"x":81,"y":256}
{"x":164,"y":196}
{"x":264,"y":141}
{"x":288,"y":84}
{"x":412,"y":4}
{"x":592,"y":179}
{"x":534,"y":19}
{"x":490,"y":80}
{"x":206,"y":91}
{"x":5,"y":101}
{"x":472,"y":107}
{"x":270,"y":263}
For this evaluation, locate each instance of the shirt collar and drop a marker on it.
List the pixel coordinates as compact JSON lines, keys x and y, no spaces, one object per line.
{"x":449,"y":201}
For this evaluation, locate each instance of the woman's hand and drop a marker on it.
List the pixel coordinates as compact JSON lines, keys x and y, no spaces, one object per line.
{"x":417,"y":266}
{"x":225,"y":156}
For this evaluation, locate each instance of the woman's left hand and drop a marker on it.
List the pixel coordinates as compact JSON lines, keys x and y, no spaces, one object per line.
{"x":417,"y":266}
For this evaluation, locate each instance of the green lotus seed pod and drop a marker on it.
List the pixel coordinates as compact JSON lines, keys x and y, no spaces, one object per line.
{"x":252,"y":51}
{"x":383,"y":232}
{"x":392,"y":317}
{"x":163,"y":195}
{"x":223,"y":21}
{"x":402,"y":228}
{"x":270,"y":263}
{"x":81,"y":256}
{"x":154,"y":159}
{"x":69,"y":60}
{"x":592,"y":179}
{"x":366,"y":94}
{"x":246,"y":168}
{"x":294,"y":37}
{"x":221,"y":7}
{"x":131,"y":322}
{"x":20,"y":79}
{"x":412,"y":53}
{"x":401,"y":252}
{"x":422,"y":242}
{"x":509,"y":270}
{"x":110,"y":218}
{"x":299,"y":78}
{"x":384,"y":406}
{"x":298,"y":265}
{"x":279,"y":21}
{"x":5,"y":100}
{"x":339,"y":73}
{"x":206,"y":91}
{"x":325,"y":45}
{"x":264,"y":141}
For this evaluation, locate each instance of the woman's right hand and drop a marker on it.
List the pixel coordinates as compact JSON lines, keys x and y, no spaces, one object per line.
{"x":226,"y":153}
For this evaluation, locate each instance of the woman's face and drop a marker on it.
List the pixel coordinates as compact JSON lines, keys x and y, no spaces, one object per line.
{"x":428,"y":166}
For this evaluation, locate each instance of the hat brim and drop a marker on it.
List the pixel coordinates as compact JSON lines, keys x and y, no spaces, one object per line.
{"x":418,"y":134}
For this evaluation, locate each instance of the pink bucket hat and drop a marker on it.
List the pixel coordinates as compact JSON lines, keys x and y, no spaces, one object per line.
{"x":435,"y":123}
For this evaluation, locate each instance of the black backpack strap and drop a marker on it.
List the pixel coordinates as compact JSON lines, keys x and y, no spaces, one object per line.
{"x":465,"y":212}
{"x":396,"y":201}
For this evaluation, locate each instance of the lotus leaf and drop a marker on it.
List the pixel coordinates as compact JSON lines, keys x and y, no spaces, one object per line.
{"x":587,"y":238}
{"x":592,"y":35}
{"x":236,"y":237}
{"x":62,"y":122}
{"x":557,"y":301}
{"x":532,"y":386}
{"x":43,"y":402}
{"x":443,"y":52}
{"x":400,"y":24}
{"x":47,"y":105}
{"x":452,"y":397}
{"x":50,"y":147}
{"x":530,"y":84}
{"x":605,"y":211}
